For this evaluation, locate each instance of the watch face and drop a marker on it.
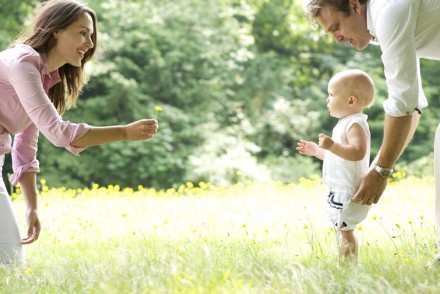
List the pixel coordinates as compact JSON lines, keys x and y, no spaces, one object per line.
{"x":384,"y":172}
{"x":387,"y":173}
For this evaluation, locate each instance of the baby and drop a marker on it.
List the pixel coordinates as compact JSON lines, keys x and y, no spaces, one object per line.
{"x":346,"y":155}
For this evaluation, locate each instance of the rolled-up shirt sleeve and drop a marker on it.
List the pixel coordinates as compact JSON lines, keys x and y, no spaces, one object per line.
{"x":395,"y":31}
{"x":25,"y":77}
{"x":24,"y":153}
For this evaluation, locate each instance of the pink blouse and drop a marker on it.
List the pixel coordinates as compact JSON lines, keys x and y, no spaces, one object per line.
{"x":25,"y":109}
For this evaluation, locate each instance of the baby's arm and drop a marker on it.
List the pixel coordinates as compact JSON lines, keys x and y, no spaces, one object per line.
{"x":355,"y":149}
{"x":310,"y":149}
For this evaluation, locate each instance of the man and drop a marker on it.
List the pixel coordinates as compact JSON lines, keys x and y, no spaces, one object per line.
{"x":406,"y":31}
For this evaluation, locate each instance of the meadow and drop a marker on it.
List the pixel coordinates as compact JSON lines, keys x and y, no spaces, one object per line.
{"x":246,"y":238}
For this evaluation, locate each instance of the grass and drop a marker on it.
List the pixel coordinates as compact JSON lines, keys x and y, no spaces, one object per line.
{"x":248,"y":238}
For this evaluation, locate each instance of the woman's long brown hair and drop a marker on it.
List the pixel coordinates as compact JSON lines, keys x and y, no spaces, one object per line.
{"x":52,"y":16}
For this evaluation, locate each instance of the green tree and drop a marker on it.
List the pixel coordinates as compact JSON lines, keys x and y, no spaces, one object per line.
{"x":12,"y":16}
{"x":240,"y":83}
{"x":156,"y":55}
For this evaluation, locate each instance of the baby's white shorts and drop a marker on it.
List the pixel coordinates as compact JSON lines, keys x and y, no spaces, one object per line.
{"x":343,"y":213}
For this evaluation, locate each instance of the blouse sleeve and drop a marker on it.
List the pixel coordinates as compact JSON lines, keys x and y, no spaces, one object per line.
{"x":25,"y":77}
{"x":24,"y":153}
{"x":26,"y":80}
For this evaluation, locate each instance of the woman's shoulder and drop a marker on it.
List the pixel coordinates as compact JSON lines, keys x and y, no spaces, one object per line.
{"x":21,"y":54}
{"x":23,"y":50}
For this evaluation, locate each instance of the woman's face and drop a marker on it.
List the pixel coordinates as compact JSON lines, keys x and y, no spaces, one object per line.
{"x":73,"y":42}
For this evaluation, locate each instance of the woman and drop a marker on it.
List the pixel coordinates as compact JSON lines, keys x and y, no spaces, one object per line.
{"x":40,"y":77}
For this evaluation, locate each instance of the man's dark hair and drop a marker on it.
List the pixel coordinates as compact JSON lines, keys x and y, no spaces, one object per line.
{"x":314,"y":7}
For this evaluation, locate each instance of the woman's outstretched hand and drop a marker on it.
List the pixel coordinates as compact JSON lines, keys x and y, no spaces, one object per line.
{"x":142,"y":129}
{"x":139,"y":130}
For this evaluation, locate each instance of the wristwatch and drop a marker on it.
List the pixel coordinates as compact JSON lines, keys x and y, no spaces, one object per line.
{"x":384,"y":172}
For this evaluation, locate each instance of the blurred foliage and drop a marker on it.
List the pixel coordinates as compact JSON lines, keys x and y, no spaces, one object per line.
{"x":13,"y":14}
{"x":240,"y":82}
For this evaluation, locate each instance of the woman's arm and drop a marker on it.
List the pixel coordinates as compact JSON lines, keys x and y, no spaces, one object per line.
{"x":25,"y":77}
{"x":139,"y":130}
{"x":28,"y":187}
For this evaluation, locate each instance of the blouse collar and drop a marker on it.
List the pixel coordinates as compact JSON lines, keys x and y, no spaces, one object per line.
{"x":51,"y":78}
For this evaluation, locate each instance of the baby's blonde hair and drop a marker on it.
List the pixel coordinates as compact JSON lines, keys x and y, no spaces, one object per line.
{"x":357,"y":83}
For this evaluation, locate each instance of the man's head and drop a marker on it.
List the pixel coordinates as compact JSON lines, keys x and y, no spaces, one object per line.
{"x":314,"y":6}
{"x":346,"y":20}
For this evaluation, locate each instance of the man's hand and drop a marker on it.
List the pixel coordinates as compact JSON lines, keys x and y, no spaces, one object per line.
{"x":370,"y":189}
{"x":34,"y":227}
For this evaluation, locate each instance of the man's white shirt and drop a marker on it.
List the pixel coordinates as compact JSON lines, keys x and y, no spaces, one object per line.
{"x":406,"y":30}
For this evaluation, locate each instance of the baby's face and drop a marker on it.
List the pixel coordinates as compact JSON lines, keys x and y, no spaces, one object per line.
{"x":338,"y":100}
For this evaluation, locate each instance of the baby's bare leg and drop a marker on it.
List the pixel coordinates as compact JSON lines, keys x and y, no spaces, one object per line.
{"x":348,"y":250}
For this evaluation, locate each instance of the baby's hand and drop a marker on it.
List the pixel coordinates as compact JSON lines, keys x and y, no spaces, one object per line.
{"x":307,"y":148}
{"x":325,"y":142}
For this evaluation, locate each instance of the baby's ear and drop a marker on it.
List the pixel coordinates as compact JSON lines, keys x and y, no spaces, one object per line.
{"x":353,"y":100}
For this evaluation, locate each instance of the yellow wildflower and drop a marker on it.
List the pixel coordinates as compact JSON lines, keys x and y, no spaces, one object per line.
{"x":157,"y":109}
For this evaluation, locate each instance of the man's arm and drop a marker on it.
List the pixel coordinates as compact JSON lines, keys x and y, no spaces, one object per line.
{"x":398,"y":132}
